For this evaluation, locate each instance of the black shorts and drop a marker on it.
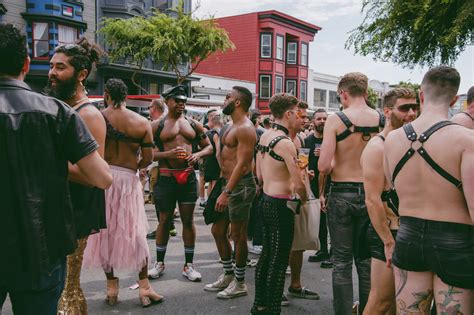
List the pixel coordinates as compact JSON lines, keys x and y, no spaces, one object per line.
{"x":444,"y":248}
{"x":376,"y":246}
{"x":167,"y":192}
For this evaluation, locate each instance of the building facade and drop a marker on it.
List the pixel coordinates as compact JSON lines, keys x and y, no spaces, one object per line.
{"x":272,"y":50}
{"x":49,"y":23}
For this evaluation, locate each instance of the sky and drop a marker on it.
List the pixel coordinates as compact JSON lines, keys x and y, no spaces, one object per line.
{"x":327,"y":53}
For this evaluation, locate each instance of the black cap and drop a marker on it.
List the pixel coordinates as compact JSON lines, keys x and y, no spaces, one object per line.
{"x":178,"y":92}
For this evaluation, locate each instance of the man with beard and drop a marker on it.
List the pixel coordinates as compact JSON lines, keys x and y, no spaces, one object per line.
{"x":70,"y":66}
{"x":400,"y":107}
{"x":237,"y":143}
{"x":466,"y":118}
{"x":38,"y":136}
{"x":280,"y":177}
{"x":345,"y":136}
{"x":174,"y":136}
{"x":313,"y":143}
{"x":434,"y":249}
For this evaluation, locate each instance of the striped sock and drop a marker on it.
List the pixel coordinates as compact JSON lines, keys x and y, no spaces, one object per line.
{"x":160,"y":252}
{"x":189,"y":254}
{"x":228,"y":268}
{"x":240,"y":273}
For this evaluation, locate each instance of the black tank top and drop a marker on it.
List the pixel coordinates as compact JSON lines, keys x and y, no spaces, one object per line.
{"x":88,"y":205}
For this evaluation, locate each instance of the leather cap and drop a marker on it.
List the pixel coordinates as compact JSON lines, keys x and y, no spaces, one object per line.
{"x":178,"y":92}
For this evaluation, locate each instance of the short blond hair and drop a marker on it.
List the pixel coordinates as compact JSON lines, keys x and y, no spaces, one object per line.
{"x":394,"y":94}
{"x":355,"y":83}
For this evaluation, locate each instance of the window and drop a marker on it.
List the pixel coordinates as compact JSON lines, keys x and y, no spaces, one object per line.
{"x":279,"y":47}
{"x":278,"y":84}
{"x":303,"y":91}
{"x":291,"y":53}
{"x":265,"y":86}
{"x":291,"y":87}
{"x":40,"y":40}
{"x":319,"y":98}
{"x":333,"y":103}
{"x":265,"y":45}
{"x":304,"y":54}
{"x":66,"y":34}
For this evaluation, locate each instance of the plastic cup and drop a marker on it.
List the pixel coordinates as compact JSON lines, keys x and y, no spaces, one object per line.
{"x":303,"y":157}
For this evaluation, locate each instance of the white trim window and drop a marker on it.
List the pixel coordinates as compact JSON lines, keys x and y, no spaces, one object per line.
{"x":40,"y":40}
{"x":303,"y":86}
{"x":265,"y":86}
{"x":292,"y":53}
{"x":66,"y":34}
{"x":265,"y":45}
{"x":304,"y":54}
{"x":278,"y":84}
{"x":291,"y":87}
{"x":280,"y":44}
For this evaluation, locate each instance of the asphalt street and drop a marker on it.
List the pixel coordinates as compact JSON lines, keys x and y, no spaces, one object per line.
{"x":185,"y":297}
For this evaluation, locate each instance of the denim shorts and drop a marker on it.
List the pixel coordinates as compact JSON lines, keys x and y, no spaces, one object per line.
{"x":240,"y":201}
{"x":444,"y":248}
{"x":376,"y":246}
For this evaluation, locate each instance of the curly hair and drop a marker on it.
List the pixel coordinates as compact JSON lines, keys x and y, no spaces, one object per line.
{"x":117,"y":90}
{"x":82,"y":54}
{"x":13,"y":49}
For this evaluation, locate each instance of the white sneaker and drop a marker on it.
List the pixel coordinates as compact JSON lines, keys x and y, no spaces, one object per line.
{"x":191,"y":273}
{"x":256,"y":249}
{"x":235,"y":289}
{"x":222,"y":282}
{"x":288,"y":270}
{"x":157,"y":270}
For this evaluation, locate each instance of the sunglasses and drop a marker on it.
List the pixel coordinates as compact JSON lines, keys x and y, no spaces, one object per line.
{"x":406,"y":107}
{"x":338,"y":97}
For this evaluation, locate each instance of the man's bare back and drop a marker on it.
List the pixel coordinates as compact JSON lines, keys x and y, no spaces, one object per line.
{"x":433,"y":197}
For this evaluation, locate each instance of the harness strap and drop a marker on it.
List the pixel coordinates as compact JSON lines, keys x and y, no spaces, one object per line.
{"x":468,"y":115}
{"x":366,"y":131}
{"x":412,"y":136}
{"x":264,"y":149}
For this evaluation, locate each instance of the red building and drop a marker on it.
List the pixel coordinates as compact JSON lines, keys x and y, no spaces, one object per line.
{"x":272,"y":50}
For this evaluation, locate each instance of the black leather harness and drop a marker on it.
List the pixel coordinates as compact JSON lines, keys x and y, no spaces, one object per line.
{"x":269,"y":149}
{"x":366,"y":131}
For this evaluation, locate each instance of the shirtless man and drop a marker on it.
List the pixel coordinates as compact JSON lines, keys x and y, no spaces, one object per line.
{"x":434,"y":250}
{"x":174,"y":135}
{"x":238,"y":191}
{"x":399,"y":107}
{"x":466,"y":118}
{"x":281,"y":178}
{"x":345,"y":136}
{"x":296,"y":257}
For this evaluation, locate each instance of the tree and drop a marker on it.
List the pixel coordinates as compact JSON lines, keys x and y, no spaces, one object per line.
{"x":423,"y":32}
{"x":173,"y":42}
{"x":372,"y":98}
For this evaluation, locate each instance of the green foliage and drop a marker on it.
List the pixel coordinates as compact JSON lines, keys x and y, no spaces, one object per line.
{"x":410,"y":85}
{"x":372,"y":98}
{"x":422,"y":32}
{"x":170,"y":41}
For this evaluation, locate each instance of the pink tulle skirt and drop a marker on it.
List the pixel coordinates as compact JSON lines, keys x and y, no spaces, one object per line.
{"x":123,"y":244}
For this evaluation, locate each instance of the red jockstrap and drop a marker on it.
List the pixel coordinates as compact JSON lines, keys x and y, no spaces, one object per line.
{"x":181,"y":176}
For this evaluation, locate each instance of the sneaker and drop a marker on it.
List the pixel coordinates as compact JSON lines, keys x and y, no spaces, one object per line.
{"x":235,"y":289}
{"x":327,"y":264}
{"x":303,"y":293}
{"x":284,"y":300}
{"x":318,"y":257}
{"x":256,"y":249}
{"x":251,"y":263}
{"x":222,"y":282}
{"x":173,"y":232}
{"x":190,"y":273}
{"x":288,"y":270}
{"x":151,"y":235}
{"x":157,"y":270}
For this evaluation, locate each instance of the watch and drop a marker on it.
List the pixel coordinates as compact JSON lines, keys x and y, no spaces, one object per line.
{"x":227,"y":191}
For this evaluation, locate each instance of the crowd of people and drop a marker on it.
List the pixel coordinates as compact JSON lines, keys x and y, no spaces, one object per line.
{"x":393,"y":189}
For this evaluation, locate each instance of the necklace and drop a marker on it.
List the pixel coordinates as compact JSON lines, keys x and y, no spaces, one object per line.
{"x":280,"y":127}
{"x":79,"y":101}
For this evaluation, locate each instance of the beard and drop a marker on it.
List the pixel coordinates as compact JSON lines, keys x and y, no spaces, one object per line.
{"x":229,"y":109}
{"x":396,"y":122}
{"x":63,"y":90}
{"x":319,"y":128}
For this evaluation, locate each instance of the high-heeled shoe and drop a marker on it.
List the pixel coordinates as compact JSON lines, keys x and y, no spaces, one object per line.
{"x":147,"y":295}
{"x":112,"y":291}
